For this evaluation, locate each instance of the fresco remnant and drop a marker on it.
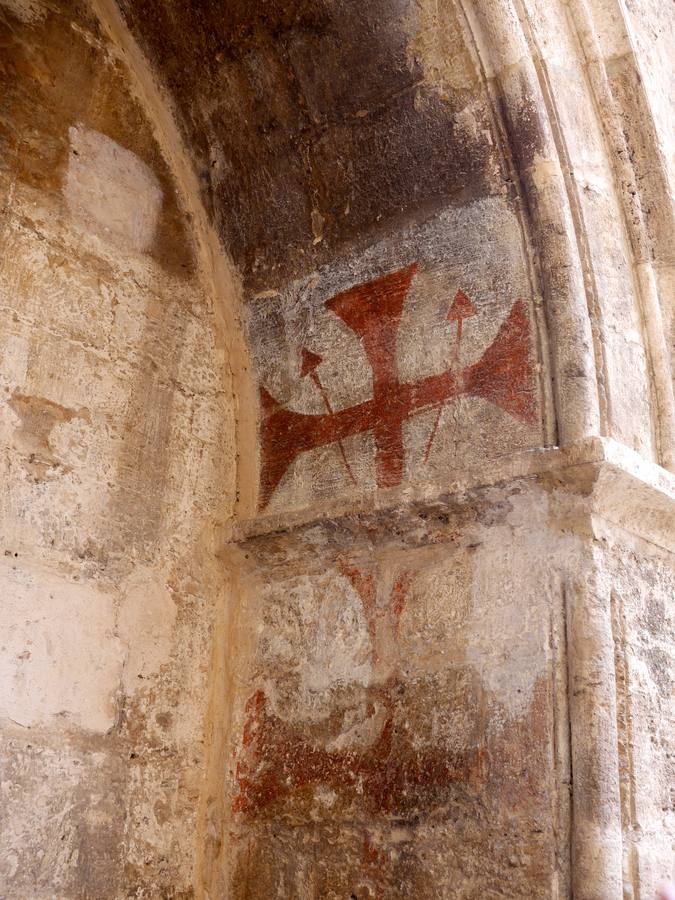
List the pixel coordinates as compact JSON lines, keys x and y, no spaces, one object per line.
{"x":282,"y":761}
{"x":373,"y":311}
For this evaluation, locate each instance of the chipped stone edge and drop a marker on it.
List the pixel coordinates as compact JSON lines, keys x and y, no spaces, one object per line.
{"x":626,"y":490}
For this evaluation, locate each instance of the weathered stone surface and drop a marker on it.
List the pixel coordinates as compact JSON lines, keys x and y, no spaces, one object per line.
{"x":62,"y":820}
{"x":113,"y":437}
{"x":335,"y":387}
{"x":44,"y":680}
{"x":327,"y":104}
{"x":643,"y":622}
{"x":408,"y":695}
{"x":474,"y":390}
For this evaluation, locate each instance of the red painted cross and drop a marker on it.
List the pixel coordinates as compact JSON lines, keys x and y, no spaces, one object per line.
{"x":373,"y":311}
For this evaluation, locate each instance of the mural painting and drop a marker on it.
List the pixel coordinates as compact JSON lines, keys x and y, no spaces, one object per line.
{"x":357,"y":744}
{"x":376,"y":374}
{"x":282,"y":762}
{"x":385,"y":369}
{"x":371,"y":726}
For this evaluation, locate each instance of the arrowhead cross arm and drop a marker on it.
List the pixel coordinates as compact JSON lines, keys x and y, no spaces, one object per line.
{"x":503,"y":376}
{"x":461,"y":308}
{"x":309,"y":361}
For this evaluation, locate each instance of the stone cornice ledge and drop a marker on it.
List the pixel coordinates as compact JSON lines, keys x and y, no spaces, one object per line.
{"x":614,"y":482}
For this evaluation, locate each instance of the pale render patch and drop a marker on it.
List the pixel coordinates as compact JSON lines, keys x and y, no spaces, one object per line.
{"x":317,"y":639}
{"x":433,"y":624}
{"x":145,"y":625}
{"x":45,"y":619}
{"x":507,"y":632}
{"x":437,"y":45}
{"x":110,"y":191}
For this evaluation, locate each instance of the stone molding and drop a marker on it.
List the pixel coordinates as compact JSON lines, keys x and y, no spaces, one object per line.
{"x":612,"y":481}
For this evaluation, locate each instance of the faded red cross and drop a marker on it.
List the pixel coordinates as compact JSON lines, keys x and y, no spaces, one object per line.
{"x":373,"y":312}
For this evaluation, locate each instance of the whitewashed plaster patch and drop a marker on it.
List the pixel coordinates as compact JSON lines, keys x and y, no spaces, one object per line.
{"x":59,"y":658}
{"x":110,"y":191}
{"x":145,"y":624}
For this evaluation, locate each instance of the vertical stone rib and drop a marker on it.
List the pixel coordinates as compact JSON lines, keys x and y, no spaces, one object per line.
{"x":524,"y":116}
{"x":597,"y":852}
{"x":612,"y":120}
{"x":596,"y":834}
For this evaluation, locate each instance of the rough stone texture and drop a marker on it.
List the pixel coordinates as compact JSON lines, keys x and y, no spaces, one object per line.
{"x":311,"y":123}
{"x":348,"y":131}
{"x":405,"y":726}
{"x":114,"y":455}
{"x":336,"y":406}
{"x":402,"y":708}
{"x":478,"y":331}
{"x":643,"y":582}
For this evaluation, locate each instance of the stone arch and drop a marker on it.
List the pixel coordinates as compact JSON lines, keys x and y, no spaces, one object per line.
{"x":514,"y":40}
{"x":589,"y":392}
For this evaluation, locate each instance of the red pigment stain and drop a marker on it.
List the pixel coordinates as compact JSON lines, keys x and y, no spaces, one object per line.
{"x":399,"y":597}
{"x":373,"y":311}
{"x":280,"y":762}
{"x":365,"y":586}
{"x":375,"y":864}
{"x":371,"y":855}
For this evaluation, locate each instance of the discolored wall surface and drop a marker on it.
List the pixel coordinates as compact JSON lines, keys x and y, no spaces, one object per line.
{"x":404,"y":728}
{"x":334,"y":144}
{"x":349,"y":405}
{"x":642,"y":594}
{"x":399,"y":735}
{"x":114,"y":429}
{"x":363,"y":592}
{"x":312,"y":128}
